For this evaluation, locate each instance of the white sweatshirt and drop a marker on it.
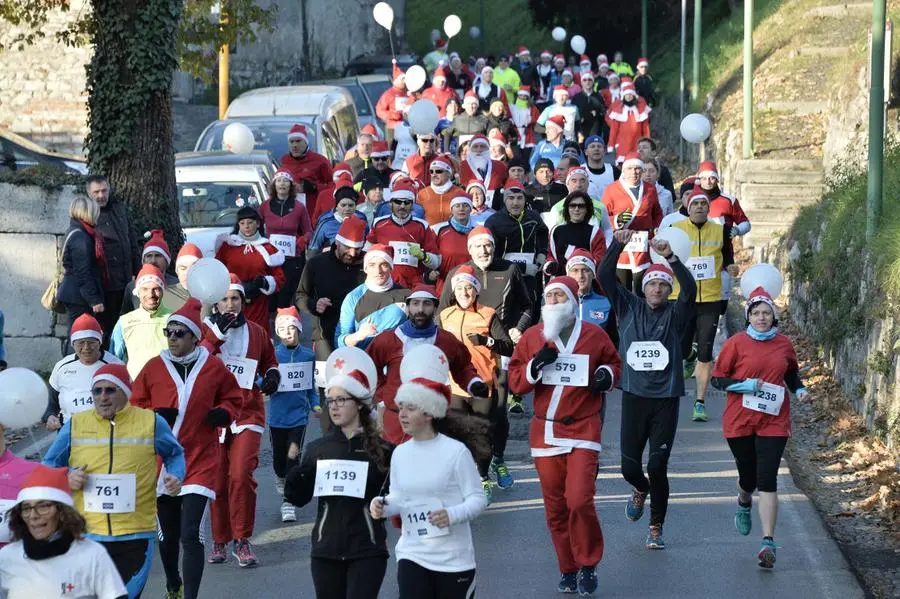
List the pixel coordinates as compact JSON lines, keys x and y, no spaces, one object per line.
{"x":437,"y":471}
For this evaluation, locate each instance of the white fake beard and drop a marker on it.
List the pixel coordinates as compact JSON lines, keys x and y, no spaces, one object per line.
{"x":482,"y":263}
{"x":555,"y":318}
{"x":478,"y":161}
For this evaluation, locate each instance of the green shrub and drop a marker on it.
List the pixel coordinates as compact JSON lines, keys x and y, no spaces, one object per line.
{"x":43,"y":175}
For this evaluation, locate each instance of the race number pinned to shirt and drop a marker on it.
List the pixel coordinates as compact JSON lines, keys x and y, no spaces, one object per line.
{"x":568,"y":369}
{"x":296,"y":376}
{"x":320,"y":374}
{"x":640,"y":242}
{"x":341,"y":477}
{"x":645,"y":356}
{"x":76,"y":401}
{"x":5,"y":504}
{"x":523,"y":259}
{"x":243,"y":369}
{"x":702,"y":267}
{"x":399,"y":103}
{"x":415,"y":520}
{"x":110,"y":493}
{"x":767,"y":400}
{"x":402,"y":254}
{"x":286,"y":243}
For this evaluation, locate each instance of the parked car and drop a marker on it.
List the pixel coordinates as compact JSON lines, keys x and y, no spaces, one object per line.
{"x":380,"y":64}
{"x":328,"y":112}
{"x":365,"y":89}
{"x":212,"y":186}
{"x":17,"y":153}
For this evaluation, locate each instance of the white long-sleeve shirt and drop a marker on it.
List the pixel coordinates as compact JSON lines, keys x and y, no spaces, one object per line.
{"x":426,"y":472}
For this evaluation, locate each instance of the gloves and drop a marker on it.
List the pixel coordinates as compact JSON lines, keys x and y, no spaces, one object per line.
{"x":309,"y":187}
{"x":546,"y":355}
{"x":251,"y":289}
{"x":263,"y":284}
{"x":624,"y":218}
{"x":479,"y":389}
{"x":745,"y":386}
{"x":223,"y":322}
{"x":415,"y":250}
{"x":734,"y":232}
{"x":218,"y":417}
{"x":270,"y":381}
{"x":478,"y":339}
{"x":602,"y":380}
{"x":168,"y":414}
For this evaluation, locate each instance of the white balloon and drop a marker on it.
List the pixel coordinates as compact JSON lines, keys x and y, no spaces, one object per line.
{"x":670,"y":219}
{"x":238,"y":138}
{"x":345,"y":360}
{"x":474,"y":32}
{"x":208,"y":280}
{"x":425,"y":361}
{"x":423,"y":117}
{"x":415,"y":78}
{"x":384,"y":15}
{"x":762,"y":275}
{"x":579,"y":44}
{"x":695,"y":128}
{"x":558,"y":33}
{"x":452,"y":25}
{"x":678,"y":240}
{"x":23,"y":398}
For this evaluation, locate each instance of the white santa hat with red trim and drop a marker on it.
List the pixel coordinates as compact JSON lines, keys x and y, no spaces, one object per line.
{"x":298,"y":131}
{"x":466,"y":274}
{"x":189,"y":316}
{"x":156,"y":242}
{"x":117,"y":374}
{"x":149,"y":275}
{"x":379,"y":251}
{"x":86,"y":327}
{"x":188,"y":254}
{"x":583,"y":258}
{"x":658,"y":272}
{"x":479,"y":233}
{"x":352,"y":232}
{"x":419,"y":389}
{"x":46,"y":484}
{"x":566,"y":284}
{"x":288,"y":317}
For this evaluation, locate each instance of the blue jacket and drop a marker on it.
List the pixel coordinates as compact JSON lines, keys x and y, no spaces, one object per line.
{"x":327,"y":229}
{"x":594,"y":308}
{"x":288,"y":409}
{"x":545,"y":149}
{"x":361,"y":305}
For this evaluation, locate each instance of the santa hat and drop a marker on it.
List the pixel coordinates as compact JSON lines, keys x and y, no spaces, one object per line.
{"x":466,"y":274}
{"x":477,"y":184}
{"x":587,"y":75}
{"x":355,"y":382}
{"x":567,"y":72}
{"x":352,"y":232}
{"x":442,"y":164}
{"x":156,"y":242}
{"x":343,"y":189}
{"x":628,"y":88}
{"x":557,"y":120}
{"x":283,"y":174}
{"x":429,"y":396}
{"x":298,"y":131}
{"x":584,"y":59}
{"x":188,"y":254}
{"x":643,"y":62}
{"x":235,"y":284}
{"x":602,"y":58}
{"x":403,"y":189}
{"x":342,"y":169}
{"x":522,"y":51}
{"x":659,"y":272}
{"x":117,"y":374}
{"x":633,"y":158}
{"x":581,"y":257}
{"x":286,"y":317}
{"x":470,"y":97}
{"x":559,"y":58}
{"x":397,"y":75}
{"x":566,"y":284}
{"x":479,"y":138}
{"x":561,"y":88}
{"x":708,"y":169}
{"x":189,"y":313}
{"x":546,"y":53}
{"x":461,"y":199}
{"x":479,"y":233}
{"x":756,"y":296}
{"x":613,"y":75}
{"x":369,"y":129}
{"x":440,"y":43}
{"x":574,"y":171}
{"x":46,"y":484}
{"x":603,"y":65}
{"x":86,"y":327}
{"x":697,"y":194}
{"x":513,"y":184}
{"x":524,"y":90}
{"x":379,"y":251}
{"x":439,"y":72}
{"x":422,"y":291}
{"x":380,"y":149}
{"x":497,"y":138}
{"x":149,"y":275}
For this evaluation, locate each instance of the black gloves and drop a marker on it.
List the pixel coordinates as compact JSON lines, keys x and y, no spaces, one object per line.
{"x":309,"y":187}
{"x":546,"y":355}
{"x":251,"y":289}
{"x":168,"y":414}
{"x":478,"y":339}
{"x":479,"y":389}
{"x":271,"y":381}
{"x":218,"y":417}
{"x":223,"y":321}
{"x":551,"y":268}
{"x":602,"y":380}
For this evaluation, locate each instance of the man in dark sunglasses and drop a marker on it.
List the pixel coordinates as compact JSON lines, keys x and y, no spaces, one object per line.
{"x":418,"y":165}
{"x":379,"y":166}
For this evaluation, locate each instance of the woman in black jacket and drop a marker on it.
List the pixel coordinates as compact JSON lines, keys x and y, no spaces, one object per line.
{"x":84,"y":262}
{"x":581,"y":228}
{"x":346,"y":468}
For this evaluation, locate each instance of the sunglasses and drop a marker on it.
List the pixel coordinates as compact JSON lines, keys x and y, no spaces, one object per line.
{"x":426,"y":141}
{"x":176,"y":333}
{"x":98,"y":391}
{"x":437,"y":172}
{"x":402,"y":202}
{"x":380,"y":158}
{"x":582,"y":206}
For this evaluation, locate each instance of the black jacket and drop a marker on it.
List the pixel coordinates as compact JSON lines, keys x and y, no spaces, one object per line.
{"x":643,"y":85}
{"x":344,"y":529}
{"x":511,"y":235}
{"x":541,"y":198}
{"x":123,"y":251}
{"x":326,"y":276}
{"x":502,"y":288}
{"x":82,"y":282}
{"x":592,"y":110}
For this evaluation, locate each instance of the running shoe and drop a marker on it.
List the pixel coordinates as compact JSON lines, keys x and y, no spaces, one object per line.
{"x":488,"y":489}
{"x":690,"y":362}
{"x":217,"y":555}
{"x":568,"y":583}
{"x":279,"y":486}
{"x":699,"y":414}
{"x":766,"y":555}
{"x":634,"y":508}
{"x":742,"y":520}
{"x":179,"y":594}
{"x":288,"y":513}
{"x":515,"y":405}
{"x":587,"y":581}
{"x":654,"y":538}
{"x":243,"y":551}
{"x":504,"y":478}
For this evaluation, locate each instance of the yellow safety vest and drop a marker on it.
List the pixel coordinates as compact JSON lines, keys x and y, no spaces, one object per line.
{"x":705,"y":241}
{"x":127,"y":447}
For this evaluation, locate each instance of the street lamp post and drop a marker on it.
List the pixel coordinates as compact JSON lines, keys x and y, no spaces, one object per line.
{"x":681,"y":81}
{"x":644,"y":28}
{"x":748,"y":79}
{"x":698,"y":30}
{"x":876,"y":120}
{"x":217,"y":14}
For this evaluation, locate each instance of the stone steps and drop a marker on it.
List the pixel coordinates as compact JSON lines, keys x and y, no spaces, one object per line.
{"x":758,"y":193}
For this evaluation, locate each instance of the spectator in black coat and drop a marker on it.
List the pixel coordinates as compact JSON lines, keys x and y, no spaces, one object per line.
{"x":590,"y":106}
{"x":84,"y":263}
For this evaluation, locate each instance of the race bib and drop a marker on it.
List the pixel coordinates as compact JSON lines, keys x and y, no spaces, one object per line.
{"x":286,"y":243}
{"x":568,"y":369}
{"x":399,"y":103}
{"x":5,"y":504}
{"x":341,"y":477}
{"x":640,"y":242}
{"x":415,"y":520}
{"x":702,"y":267}
{"x":320,"y":374}
{"x":767,"y":400}
{"x":645,"y":356}
{"x":76,"y":401}
{"x":243,"y":369}
{"x":402,"y":254}
{"x":296,"y":377}
{"x":523,"y":259}
{"x":110,"y":493}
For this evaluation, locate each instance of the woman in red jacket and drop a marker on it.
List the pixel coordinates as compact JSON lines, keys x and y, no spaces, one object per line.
{"x":286,"y":220}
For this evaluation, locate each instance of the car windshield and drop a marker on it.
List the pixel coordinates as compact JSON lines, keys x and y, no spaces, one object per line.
{"x":359,"y":98}
{"x":376,"y":88}
{"x":271,"y":136}
{"x":208,"y":204}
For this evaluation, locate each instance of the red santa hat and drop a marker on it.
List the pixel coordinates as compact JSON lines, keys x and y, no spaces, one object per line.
{"x":188,"y":254}
{"x":298,"y":131}
{"x":466,"y":274}
{"x":355,"y":382}
{"x":479,"y":139}
{"x":697,"y":194}
{"x":522,"y":51}
{"x":470,"y":97}
{"x":524,"y":90}
{"x":86,"y":327}
{"x":566,"y":284}
{"x":369,"y":129}
{"x":156,"y":242}
{"x":288,"y":317}
{"x":117,"y":374}
{"x":442,"y":164}
{"x":422,"y":291}
{"x":601,"y":58}
{"x":561,"y":88}
{"x":439,"y":72}
{"x":343,"y":188}
{"x":581,"y":257}
{"x":352,"y":232}
{"x":149,"y":275}
{"x":479,"y":233}
{"x":708,"y":169}
{"x":643,"y":62}
{"x":603,"y":65}
{"x":403,"y":189}
{"x":380,"y":149}
{"x":756,"y":296}
{"x":497,"y":138}
{"x":440,"y":43}
{"x":513,"y":184}
{"x":564,"y":73}
{"x":235,"y":284}
{"x":546,"y":53}
{"x":46,"y":484}
{"x":189,"y":313}
{"x":559,"y":58}
{"x":477,"y":184}
{"x":429,"y":396}
{"x":613,"y":75}
{"x":283,"y":174}
{"x":628,"y":88}
{"x":557,"y":120}
{"x":587,"y":76}
{"x":574,"y":171}
{"x":397,"y":75}
{"x":633,"y":159}
{"x":379,"y":251}
{"x":460,"y":199}
{"x":342,"y":169}
{"x":584,"y":59}
{"x":659,"y":272}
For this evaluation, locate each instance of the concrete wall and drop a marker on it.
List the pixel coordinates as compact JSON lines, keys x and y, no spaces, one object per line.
{"x":32,"y":224}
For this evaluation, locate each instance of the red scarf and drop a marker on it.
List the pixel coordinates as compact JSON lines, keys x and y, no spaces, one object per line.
{"x":99,"y":251}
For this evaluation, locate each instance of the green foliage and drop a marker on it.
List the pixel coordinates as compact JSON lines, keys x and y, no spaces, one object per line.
{"x":31,"y":15}
{"x":44,"y":176}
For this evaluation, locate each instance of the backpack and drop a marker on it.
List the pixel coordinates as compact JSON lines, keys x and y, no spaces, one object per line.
{"x":48,"y":300}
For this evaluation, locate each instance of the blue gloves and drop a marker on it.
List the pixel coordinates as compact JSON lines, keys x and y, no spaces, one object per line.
{"x":745,"y":386}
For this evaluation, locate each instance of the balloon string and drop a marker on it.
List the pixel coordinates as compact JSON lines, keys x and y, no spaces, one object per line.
{"x":391,"y":39}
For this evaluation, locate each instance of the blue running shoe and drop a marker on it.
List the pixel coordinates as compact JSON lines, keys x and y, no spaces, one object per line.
{"x":742,"y":520}
{"x":634,"y":508}
{"x":568,"y":583}
{"x":504,"y":478}
{"x":587,"y":581}
{"x":654,"y":538}
{"x":766,"y":555}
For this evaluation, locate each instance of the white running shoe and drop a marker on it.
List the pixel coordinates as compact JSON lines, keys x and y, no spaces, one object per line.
{"x":288,"y":512}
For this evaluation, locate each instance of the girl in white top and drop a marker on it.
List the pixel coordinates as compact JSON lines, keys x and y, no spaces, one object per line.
{"x":436,"y":491}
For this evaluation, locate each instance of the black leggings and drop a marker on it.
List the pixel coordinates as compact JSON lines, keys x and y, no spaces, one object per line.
{"x":499,"y":416}
{"x":654,"y":420}
{"x":702,"y":327}
{"x":132,"y":560}
{"x":417,"y":582}
{"x":281,"y":442}
{"x":757,"y":460}
{"x":179,"y":520}
{"x":293,"y":270}
{"x":350,"y":579}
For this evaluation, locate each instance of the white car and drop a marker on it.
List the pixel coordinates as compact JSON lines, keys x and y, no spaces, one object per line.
{"x":213,"y":186}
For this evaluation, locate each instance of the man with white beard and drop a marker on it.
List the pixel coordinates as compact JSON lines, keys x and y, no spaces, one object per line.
{"x":478,"y":166}
{"x":569,"y":364}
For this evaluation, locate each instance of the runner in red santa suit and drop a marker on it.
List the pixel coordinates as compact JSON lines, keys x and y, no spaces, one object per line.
{"x":392,"y":103}
{"x":569,"y":364}
{"x":414,"y":243}
{"x":439,"y":92}
{"x":309,"y":169}
{"x":257,"y":263}
{"x":388,"y":348}
{"x":418,"y":164}
{"x":635,"y":206}
{"x":629,"y":120}
{"x":194,"y":393}
{"x":478,"y":166}
{"x":247,"y":351}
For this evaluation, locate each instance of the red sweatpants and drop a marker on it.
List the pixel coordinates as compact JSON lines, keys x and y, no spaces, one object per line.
{"x":567,"y":483}
{"x":234,"y":510}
